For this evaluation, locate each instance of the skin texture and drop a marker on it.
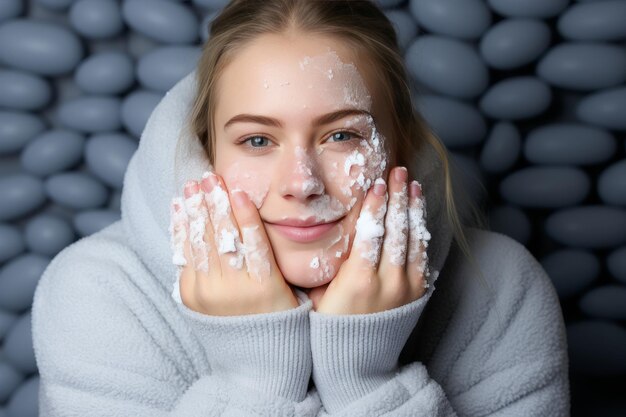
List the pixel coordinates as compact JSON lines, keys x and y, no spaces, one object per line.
{"x":301,"y":170}
{"x":272,"y":62}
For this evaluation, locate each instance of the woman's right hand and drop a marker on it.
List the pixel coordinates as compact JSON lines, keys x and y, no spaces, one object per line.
{"x":220,"y":277}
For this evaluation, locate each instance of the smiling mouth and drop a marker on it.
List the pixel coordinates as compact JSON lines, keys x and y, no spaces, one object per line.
{"x":298,"y":222}
{"x":304,"y":234}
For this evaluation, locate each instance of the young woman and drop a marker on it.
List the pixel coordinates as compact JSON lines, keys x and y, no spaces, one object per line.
{"x":294,"y":273}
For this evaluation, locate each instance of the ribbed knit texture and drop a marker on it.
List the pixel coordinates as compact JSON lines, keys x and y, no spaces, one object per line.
{"x":355,"y":354}
{"x":269,"y":352}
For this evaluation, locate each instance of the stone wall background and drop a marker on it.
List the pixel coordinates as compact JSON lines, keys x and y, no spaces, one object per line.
{"x":528,"y":96}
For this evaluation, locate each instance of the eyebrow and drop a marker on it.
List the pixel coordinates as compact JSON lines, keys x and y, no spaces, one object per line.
{"x":318,"y":121}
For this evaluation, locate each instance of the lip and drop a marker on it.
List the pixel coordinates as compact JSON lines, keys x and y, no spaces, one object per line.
{"x":303,"y":234}
{"x":309,"y":221}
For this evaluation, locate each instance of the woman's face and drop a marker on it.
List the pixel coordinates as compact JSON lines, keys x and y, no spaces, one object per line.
{"x":305,"y":165}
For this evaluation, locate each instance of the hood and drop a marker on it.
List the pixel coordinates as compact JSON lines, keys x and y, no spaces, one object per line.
{"x":169,"y":154}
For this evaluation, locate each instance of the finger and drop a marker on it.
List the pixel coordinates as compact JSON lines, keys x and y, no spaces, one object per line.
{"x":201,"y":234}
{"x":395,"y":242}
{"x":215,"y":268}
{"x":370,"y":227}
{"x":198,"y":217}
{"x":258,"y":254}
{"x":178,"y":231}
{"x":419,"y":237}
{"x":227,"y":237}
{"x":181,"y":249}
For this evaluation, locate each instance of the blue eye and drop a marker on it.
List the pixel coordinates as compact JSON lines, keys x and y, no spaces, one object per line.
{"x":256,"y":141}
{"x":337,"y":135}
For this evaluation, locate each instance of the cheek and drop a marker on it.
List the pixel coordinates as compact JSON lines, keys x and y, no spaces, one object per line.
{"x":253,"y":178}
{"x":317,"y":267}
{"x":353,"y":173}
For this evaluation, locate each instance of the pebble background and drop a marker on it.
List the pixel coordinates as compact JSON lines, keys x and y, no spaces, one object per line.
{"x":529,"y":97}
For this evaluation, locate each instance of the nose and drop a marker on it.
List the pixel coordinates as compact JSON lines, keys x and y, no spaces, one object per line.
{"x":300,"y":175}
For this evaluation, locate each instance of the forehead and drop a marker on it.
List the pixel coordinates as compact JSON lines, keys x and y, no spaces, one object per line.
{"x":297,"y":73}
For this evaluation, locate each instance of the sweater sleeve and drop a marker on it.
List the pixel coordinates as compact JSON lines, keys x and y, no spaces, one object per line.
{"x":497,"y":365}
{"x":99,"y":355}
{"x":269,"y":352}
{"x":356,"y":356}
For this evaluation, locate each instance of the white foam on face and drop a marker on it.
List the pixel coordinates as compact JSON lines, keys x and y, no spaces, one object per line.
{"x":311,"y":184}
{"x":330,"y":64}
{"x":355,"y":158}
{"x":323,"y":267}
{"x":365,"y":163}
{"x":356,"y":170}
{"x":327,"y":269}
{"x":397,"y":226}
{"x":327,"y":207}
{"x":305,"y":62}
{"x":324,"y":208}
{"x":256,"y":252}
{"x":353,"y":93}
{"x":374,"y":152}
{"x":338,"y":237}
{"x":361,"y":174}
{"x":371,"y":157}
{"x":255,"y":186}
{"x":322,"y":263}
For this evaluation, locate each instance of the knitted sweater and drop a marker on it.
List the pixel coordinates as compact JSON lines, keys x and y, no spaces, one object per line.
{"x":111,"y":337}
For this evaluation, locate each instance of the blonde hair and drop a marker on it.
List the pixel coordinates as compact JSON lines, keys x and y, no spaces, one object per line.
{"x":372,"y":37}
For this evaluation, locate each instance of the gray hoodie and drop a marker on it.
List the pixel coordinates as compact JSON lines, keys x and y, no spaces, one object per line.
{"x":112,"y":338}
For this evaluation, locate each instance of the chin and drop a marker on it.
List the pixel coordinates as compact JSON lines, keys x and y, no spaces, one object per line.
{"x":298,"y":273}
{"x":294,"y":260}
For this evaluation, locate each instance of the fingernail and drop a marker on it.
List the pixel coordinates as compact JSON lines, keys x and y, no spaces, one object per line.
{"x":209,"y":180}
{"x":401,"y":174}
{"x":206,"y":185}
{"x":239,"y":198}
{"x":380,"y":187}
{"x":414,"y":189}
{"x":191,"y":188}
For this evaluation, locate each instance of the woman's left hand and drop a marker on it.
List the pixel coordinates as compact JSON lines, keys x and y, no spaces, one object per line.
{"x":386,"y":265}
